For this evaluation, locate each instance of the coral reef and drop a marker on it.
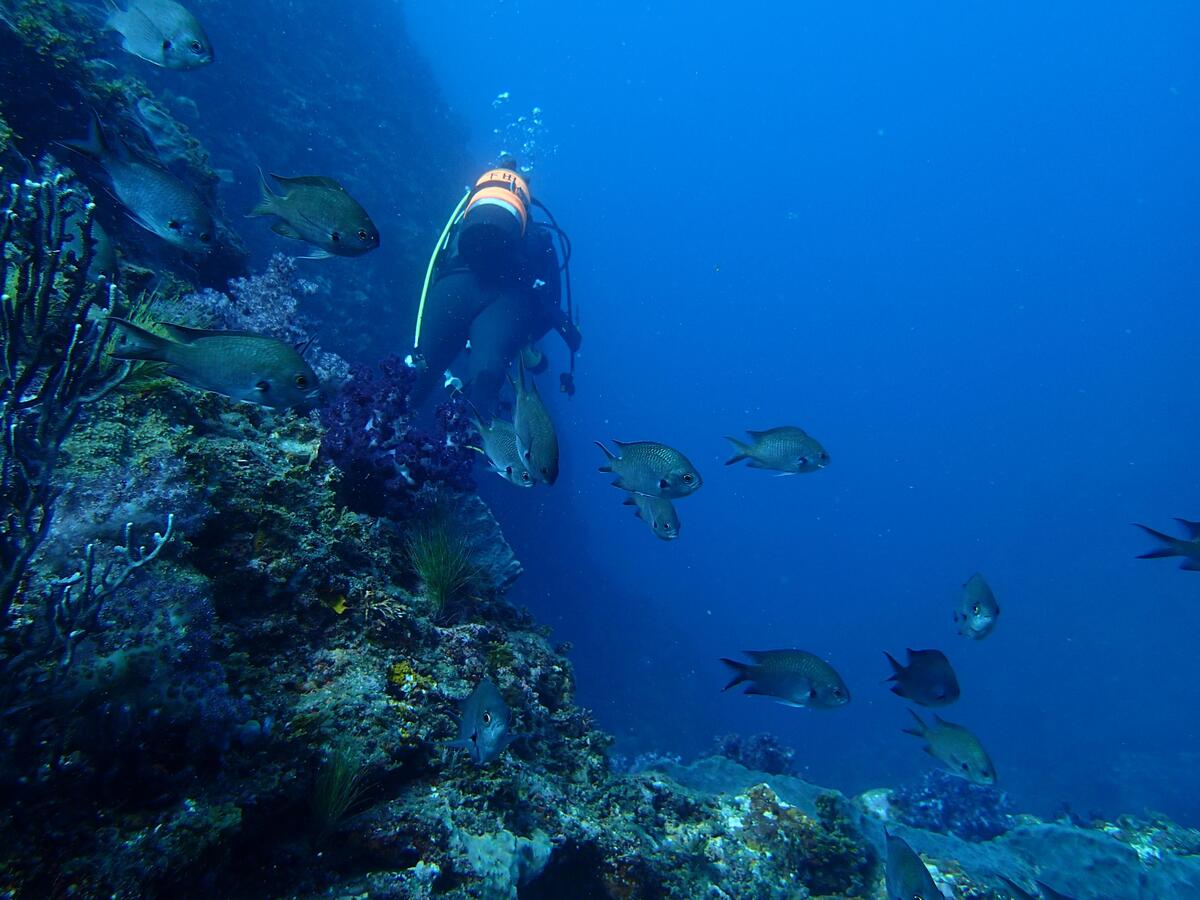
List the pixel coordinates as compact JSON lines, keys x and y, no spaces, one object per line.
{"x":384,"y":457}
{"x":943,"y":802}
{"x":761,"y":752}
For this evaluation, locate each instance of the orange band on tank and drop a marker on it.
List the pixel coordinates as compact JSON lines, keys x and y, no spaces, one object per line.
{"x":517,"y":184}
{"x":503,"y":196}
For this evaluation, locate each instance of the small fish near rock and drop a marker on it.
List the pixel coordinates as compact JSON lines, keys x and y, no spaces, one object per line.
{"x":906,"y":874}
{"x":536,"y":437}
{"x":249,"y":367}
{"x":161,"y":32}
{"x":483,"y":730}
{"x":499,"y":440}
{"x":320,"y":212}
{"x":956,"y":748}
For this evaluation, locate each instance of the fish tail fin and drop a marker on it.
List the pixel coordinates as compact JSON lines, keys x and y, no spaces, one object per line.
{"x":611,"y":456}
{"x":921,"y":728}
{"x":741,"y":672}
{"x":476,"y":416}
{"x":741,"y":451}
{"x":94,"y":144}
{"x":266,"y":206}
{"x":138,"y":342}
{"x":1171,"y":548}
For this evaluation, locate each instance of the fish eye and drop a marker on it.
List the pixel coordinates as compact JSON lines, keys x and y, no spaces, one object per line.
{"x":174,"y":224}
{"x":803,"y":460}
{"x":362,"y":234}
{"x":688,"y":478}
{"x":336,"y":236}
{"x":196,"y":46}
{"x":301,"y":381}
{"x":263,"y":386}
{"x":205,"y":237}
{"x":167,"y":44}
{"x":975,"y":609}
{"x":966,"y":768}
{"x":487,"y":718}
{"x":824,"y":456}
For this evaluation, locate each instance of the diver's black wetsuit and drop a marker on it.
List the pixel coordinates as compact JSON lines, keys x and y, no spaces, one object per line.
{"x":499,"y":311}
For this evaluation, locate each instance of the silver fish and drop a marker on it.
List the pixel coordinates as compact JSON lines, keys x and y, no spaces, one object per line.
{"x":161,"y":32}
{"x":978,"y":610}
{"x":499,"y":440}
{"x":787,"y":449}
{"x":1188,"y":548}
{"x":536,"y":438}
{"x":250,"y":367}
{"x":652,"y":469}
{"x":318,"y":211}
{"x":956,"y":748}
{"x":658,"y":513}
{"x":906,"y":874}
{"x":483,"y":730}
{"x":792,"y":677}
{"x":153,"y":197}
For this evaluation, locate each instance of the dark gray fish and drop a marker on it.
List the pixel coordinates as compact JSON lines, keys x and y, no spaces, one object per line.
{"x":499,"y":440}
{"x":245,"y":366}
{"x":659,"y":514}
{"x":956,"y":748}
{"x":652,"y":469}
{"x":793,"y":677}
{"x":536,"y":438}
{"x":978,"y":610}
{"x":483,"y":731}
{"x":318,"y":211}
{"x":1188,"y":548}
{"x":906,"y":874}
{"x":787,"y":449}
{"x":928,"y":679}
{"x":161,"y":32}
{"x":153,"y":197}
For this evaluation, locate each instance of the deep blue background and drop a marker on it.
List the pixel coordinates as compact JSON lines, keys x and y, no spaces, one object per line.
{"x":958,"y":244}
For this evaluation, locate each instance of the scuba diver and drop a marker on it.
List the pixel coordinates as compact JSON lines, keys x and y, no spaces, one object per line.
{"x":494,"y":285}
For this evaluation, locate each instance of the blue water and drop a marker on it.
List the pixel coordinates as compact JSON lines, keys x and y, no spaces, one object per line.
{"x":956,"y":243}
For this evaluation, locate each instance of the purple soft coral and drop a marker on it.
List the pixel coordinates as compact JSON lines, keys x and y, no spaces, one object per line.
{"x":384,"y":458}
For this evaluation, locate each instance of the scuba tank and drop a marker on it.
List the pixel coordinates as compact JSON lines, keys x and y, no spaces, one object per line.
{"x":495,"y":219}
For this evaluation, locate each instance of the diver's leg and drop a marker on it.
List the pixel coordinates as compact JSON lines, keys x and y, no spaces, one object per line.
{"x":454,"y":300}
{"x":497,"y":334}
